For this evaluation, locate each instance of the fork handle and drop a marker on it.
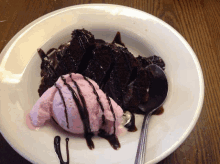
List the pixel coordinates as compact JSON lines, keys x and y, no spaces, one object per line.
{"x":140,"y":155}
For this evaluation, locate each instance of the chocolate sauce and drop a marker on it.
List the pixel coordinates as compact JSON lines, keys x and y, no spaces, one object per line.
{"x":117,"y":39}
{"x":83,"y":114}
{"x":131,"y":125}
{"x":81,"y":97}
{"x":159,"y":111}
{"x":112,"y":139}
{"x":61,"y":95}
{"x":113,"y":113}
{"x":58,"y":151}
{"x":97,"y":98}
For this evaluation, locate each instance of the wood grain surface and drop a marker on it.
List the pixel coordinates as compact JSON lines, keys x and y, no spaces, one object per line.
{"x":198,"y":21}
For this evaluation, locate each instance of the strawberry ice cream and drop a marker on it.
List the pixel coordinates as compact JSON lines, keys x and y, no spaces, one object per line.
{"x":78,"y":106}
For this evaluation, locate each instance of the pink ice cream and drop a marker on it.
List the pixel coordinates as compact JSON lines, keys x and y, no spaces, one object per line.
{"x":51,"y":104}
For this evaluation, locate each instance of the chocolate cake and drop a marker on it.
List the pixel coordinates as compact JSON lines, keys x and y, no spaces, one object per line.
{"x":118,"y":73}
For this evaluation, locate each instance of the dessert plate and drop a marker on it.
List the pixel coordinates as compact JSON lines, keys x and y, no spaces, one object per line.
{"x":143,"y":34}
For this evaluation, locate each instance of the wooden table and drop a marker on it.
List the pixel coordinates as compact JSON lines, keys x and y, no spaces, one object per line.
{"x":199,"y":23}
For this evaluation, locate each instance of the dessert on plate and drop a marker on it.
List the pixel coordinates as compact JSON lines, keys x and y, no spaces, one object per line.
{"x":77,"y":104}
{"x":87,"y":84}
{"x":117,"y":72}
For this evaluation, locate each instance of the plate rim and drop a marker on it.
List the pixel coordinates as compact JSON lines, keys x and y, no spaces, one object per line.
{"x":18,"y":35}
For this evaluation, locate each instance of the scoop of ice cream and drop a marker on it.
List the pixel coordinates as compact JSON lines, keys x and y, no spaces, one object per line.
{"x":64,"y":102}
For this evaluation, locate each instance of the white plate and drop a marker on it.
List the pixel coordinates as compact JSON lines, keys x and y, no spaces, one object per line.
{"x":143,"y":34}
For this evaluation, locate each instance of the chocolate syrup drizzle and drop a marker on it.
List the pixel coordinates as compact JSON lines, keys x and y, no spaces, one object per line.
{"x":81,"y":96}
{"x":61,"y":95}
{"x":83,"y":111}
{"x":97,"y":98}
{"x":112,"y":139}
{"x":58,"y":151}
{"x":110,"y":104}
{"x":83,"y":114}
